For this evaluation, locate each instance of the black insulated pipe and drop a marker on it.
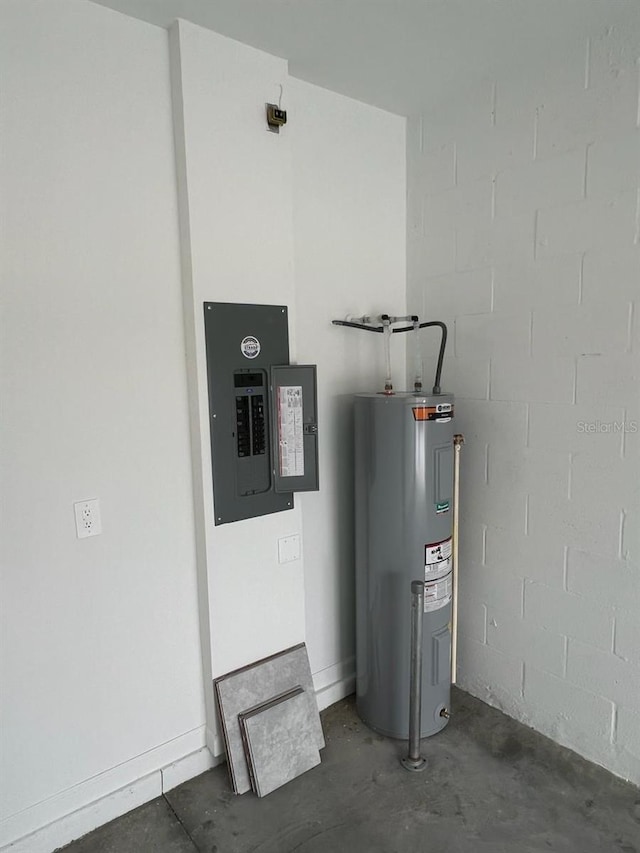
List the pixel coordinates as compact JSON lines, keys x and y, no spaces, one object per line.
{"x":443,"y":346}
{"x":351,"y":325}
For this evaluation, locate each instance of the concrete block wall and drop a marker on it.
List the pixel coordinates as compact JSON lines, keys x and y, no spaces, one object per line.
{"x":523,"y":233}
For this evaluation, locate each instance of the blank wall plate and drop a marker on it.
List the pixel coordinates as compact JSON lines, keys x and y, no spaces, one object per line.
{"x":87,"y":518}
{"x":289,"y":548}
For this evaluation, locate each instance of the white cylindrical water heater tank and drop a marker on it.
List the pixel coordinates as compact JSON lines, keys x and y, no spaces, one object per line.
{"x":404,"y":521}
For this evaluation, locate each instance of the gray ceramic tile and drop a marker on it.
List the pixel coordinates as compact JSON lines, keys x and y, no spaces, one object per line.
{"x":279,"y":740}
{"x":254,"y":685}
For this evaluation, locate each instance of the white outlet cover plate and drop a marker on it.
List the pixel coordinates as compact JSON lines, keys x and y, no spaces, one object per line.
{"x":88,"y":521}
{"x":289,"y":548}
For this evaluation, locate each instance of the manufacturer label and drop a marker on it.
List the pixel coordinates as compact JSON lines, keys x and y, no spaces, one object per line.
{"x":290,"y":431}
{"x":250,"y":347}
{"x":437,"y":593}
{"x":443,"y":506}
{"x":442,"y":412}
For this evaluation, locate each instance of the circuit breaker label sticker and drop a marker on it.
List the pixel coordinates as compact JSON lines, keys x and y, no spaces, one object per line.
{"x":250,"y":347}
{"x":437,"y":552}
{"x":437,"y":593}
{"x":290,"y":431}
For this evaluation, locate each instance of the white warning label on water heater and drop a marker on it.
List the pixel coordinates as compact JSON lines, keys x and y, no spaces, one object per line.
{"x":437,"y":593}
{"x":437,"y":557}
{"x":290,"y":431}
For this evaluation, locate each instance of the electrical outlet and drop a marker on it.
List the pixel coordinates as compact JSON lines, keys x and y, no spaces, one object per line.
{"x":87,"y":518}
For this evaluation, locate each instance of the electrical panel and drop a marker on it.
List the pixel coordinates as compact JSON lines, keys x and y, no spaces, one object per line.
{"x":263,"y":412}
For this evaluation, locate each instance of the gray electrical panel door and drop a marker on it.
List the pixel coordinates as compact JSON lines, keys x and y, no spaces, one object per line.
{"x":243,"y":343}
{"x":295,"y":427}
{"x":262,"y":412}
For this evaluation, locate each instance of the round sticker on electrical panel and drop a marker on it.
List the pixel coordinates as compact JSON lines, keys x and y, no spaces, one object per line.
{"x":250,"y":347}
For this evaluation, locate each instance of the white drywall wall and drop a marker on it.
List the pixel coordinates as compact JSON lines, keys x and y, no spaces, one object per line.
{"x":304,"y":219}
{"x":101,"y":667}
{"x":100,"y":663}
{"x":523,"y":233}
{"x":237,"y":244}
{"x":349,"y":226}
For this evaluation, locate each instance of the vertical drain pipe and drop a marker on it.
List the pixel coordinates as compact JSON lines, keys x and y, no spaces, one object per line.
{"x":414,"y":761}
{"x":458,"y":441}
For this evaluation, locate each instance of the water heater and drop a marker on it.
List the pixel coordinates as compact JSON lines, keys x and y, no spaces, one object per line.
{"x":404,"y":526}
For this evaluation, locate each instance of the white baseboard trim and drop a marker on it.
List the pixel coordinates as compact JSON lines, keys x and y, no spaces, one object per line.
{"x":57,"y":820}
{"x":187,"y":768}
{"x":335,"y":682}
{"x":60,"y":819}
{"x":83,"y":820}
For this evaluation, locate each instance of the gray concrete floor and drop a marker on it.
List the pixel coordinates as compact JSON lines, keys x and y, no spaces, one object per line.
{"x":493,"y":786}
